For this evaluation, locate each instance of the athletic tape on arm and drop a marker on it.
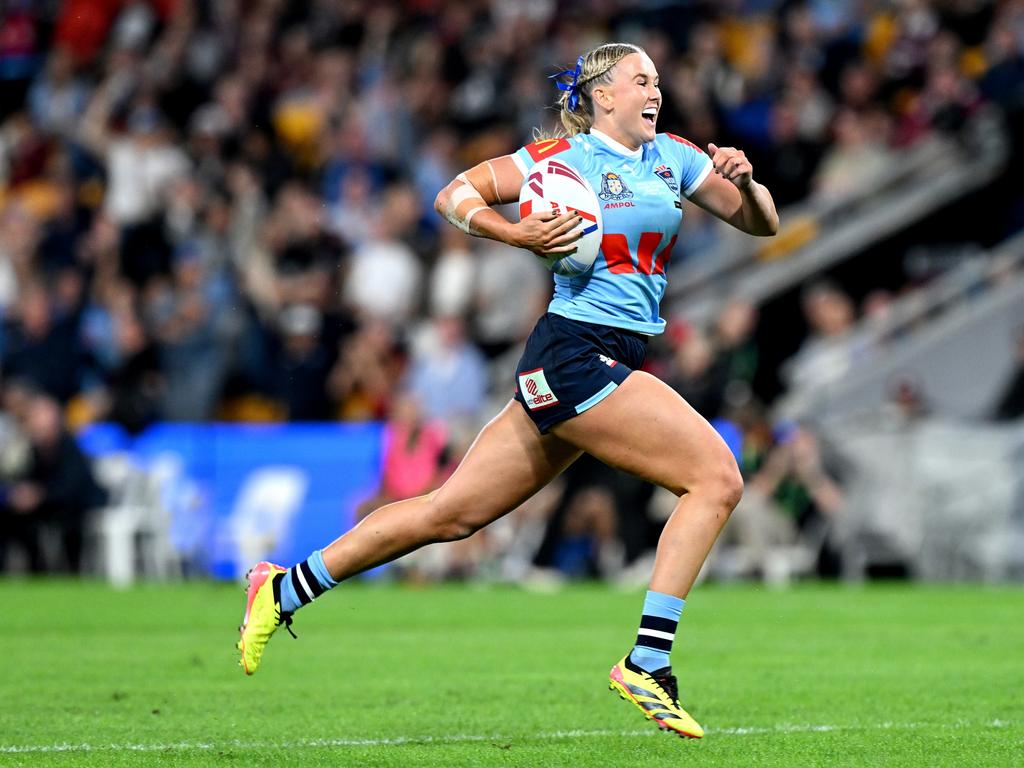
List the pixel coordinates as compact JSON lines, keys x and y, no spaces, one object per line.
{"x":460,"y":195}
{"x":494,"y":181}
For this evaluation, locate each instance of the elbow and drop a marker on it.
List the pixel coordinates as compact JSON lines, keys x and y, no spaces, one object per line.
{"x":441,"y":201}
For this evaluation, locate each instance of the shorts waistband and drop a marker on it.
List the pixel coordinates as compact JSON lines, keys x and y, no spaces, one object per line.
{"x":601,"y":326}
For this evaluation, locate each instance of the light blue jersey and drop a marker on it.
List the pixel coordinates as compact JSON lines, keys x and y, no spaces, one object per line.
{"x":639,"y":192}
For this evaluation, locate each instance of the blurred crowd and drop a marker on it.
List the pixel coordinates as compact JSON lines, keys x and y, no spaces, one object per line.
{"x":223,"y":210}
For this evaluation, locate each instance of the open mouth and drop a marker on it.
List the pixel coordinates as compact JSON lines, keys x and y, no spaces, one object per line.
{"x":650,"y":114}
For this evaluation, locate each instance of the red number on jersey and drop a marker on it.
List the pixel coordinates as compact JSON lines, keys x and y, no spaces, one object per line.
{"x":620,"y":260}
{"x":616,"y":253}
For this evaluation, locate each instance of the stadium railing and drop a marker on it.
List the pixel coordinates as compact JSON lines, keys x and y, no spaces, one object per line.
{"x":953,"y":339}
{"x":820,"y":233}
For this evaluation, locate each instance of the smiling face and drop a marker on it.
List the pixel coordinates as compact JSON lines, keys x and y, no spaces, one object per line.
{"x":627,"y":108}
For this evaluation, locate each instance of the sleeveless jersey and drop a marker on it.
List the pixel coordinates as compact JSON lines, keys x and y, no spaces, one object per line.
{"x":639,"y":195}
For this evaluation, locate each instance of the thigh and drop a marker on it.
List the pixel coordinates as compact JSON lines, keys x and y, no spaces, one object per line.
{"x":645,"y":428}
{"x":509,"y":461}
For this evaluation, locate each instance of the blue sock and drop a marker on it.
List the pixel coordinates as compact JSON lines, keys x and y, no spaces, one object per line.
{"x":657,"y":631}
{"x":305,"y":582}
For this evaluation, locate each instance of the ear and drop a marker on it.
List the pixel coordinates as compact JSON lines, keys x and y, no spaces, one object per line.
{"x":602,"y":97}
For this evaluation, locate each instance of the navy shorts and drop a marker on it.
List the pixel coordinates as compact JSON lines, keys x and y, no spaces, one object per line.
{"x":569,"y":366}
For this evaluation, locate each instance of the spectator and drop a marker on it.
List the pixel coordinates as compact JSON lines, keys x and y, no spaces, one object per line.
{"x":365,"y":380}
{"x":135,"y":385}
{"x":303,"y":360}
{"x":790,"y":160}
{"x":738,"y":350}
{"x":415,"y":455}
{"x":448,"y":374}
{"x":188,"y":314}
{"x":143,"y":161}
{"x":822,"y":356}
{"x":856,"y":160}
{"x":793,"y":499}
{"x":698,"y":374}
{"x":510,"y":292}
{"x":58,"y":489}
{"x":41,"y":347}
{"x":58,"y":97}
{"x":386,"y":259}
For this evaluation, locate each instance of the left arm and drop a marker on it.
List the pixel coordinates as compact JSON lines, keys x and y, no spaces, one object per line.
{"x":731,"y":194}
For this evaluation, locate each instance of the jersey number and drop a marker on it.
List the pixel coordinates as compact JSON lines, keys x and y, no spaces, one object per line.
{"x":621,"y":261}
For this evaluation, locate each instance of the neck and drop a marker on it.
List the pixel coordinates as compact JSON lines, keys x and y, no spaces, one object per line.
{"x":611,"y":134}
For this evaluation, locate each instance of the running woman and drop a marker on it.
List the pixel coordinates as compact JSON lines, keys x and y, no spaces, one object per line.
{"x":579,"y":386}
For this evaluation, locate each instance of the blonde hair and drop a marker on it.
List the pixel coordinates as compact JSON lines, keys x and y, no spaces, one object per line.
{"x":596,"y":70}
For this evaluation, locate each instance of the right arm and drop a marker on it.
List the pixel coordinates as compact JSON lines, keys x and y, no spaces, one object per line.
{"x":466,"y":203}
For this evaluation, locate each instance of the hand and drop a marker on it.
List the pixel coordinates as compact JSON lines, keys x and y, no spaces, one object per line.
{"x":25,"y":497}
{"x":545,"y":234}
{"x":806,"y":455}
{"x":732,"y":164}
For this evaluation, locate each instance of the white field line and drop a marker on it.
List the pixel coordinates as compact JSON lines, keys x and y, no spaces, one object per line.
{"x":462,"y":738}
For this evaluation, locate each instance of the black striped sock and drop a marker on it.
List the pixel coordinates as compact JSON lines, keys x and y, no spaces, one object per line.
{"x":654,"y":642}
{"x":305,"y":584}
{"x":656,"y":632}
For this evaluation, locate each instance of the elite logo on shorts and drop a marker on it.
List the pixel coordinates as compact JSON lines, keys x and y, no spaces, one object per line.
{"x":536,"y":390}
{"x":608,"y":361}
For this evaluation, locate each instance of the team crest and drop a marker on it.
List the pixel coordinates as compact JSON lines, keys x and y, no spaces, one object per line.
{"x":613,"y":187}
{"x":665,"y":173}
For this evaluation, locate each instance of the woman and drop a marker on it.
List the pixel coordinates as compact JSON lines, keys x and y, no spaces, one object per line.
{"x":578,"y":384}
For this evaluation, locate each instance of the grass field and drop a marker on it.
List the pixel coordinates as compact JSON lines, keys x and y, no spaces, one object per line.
{"x":455,"y":676}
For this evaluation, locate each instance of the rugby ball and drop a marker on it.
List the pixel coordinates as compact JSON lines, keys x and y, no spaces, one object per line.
{"x":555,"y":185}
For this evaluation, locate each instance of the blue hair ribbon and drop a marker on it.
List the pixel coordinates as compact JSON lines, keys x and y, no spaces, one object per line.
{"x":573,"y":87}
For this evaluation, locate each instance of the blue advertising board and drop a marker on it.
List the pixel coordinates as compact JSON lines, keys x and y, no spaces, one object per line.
{"x":237,"y":494}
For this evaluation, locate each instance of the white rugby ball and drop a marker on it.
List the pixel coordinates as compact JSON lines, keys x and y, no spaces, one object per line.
{"x":553,"y":184}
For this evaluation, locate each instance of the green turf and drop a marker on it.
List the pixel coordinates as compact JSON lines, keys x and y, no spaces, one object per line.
{"x":387,"y":676}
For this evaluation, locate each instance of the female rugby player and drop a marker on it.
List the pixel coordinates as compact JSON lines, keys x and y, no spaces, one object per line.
{"x":578,"y":385}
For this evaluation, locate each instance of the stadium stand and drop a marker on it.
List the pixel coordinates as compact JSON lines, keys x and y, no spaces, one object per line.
{"x":222,"y":213}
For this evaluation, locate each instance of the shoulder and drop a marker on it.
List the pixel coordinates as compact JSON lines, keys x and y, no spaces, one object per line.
{"x":673,"y":142}
{"x":545,"y":148}
{"x":565,"y":148}
{"x":694,"y":164}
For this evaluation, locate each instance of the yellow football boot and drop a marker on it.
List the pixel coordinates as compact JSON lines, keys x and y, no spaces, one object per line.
{"x":656,"y":695}
{"x":263,"y":613}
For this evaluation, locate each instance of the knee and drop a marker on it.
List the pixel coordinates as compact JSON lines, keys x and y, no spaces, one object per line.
{"x":730,"y":485}
{"x":723,"y":484}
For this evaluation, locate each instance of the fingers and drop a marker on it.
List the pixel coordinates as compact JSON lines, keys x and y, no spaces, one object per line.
{"x":558,"y":250}
{"x":548,"y":216}
{"x":730,"y":163}
{"x":566,"y":223}
{"x":547,"y":234}
{"x":564,"y":234}
{"x":569,"y":237}
{"x":735,"y":166}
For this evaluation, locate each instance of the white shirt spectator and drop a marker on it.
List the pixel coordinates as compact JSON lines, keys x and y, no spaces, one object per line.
{"x":138,"y":175}
{"x":384,"y":281}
